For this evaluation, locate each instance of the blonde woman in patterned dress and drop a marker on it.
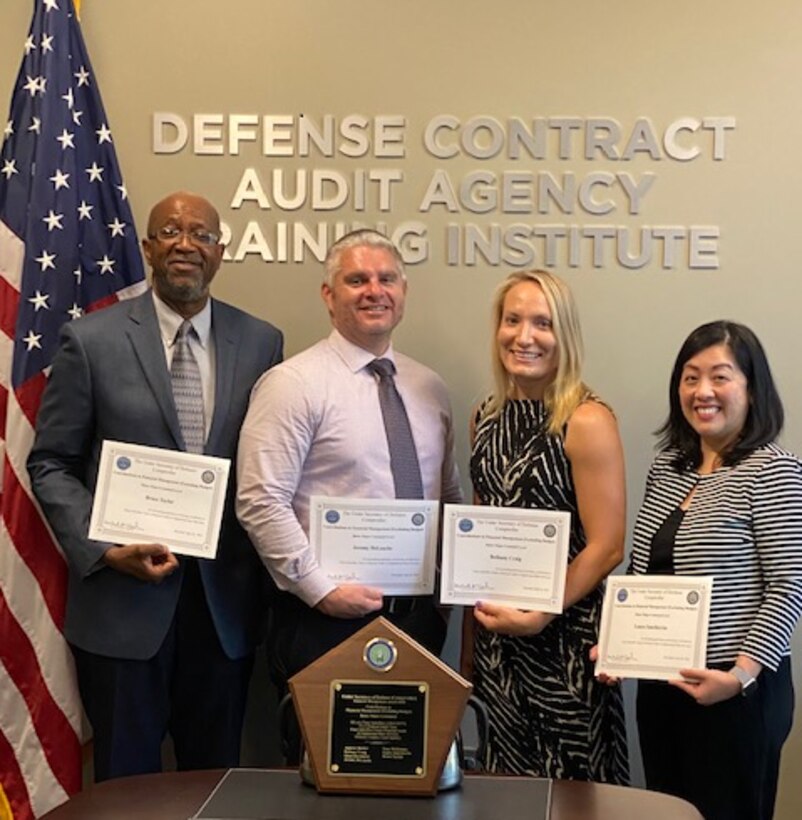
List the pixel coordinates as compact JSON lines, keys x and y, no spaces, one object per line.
{"x":544,"y":440}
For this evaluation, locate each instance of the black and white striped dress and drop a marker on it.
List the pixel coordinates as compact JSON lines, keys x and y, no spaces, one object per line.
{"x":549,"y":717}
{"x":743,"y":527}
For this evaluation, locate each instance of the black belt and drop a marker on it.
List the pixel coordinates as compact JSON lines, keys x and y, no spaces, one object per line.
{"x":399,"y":605}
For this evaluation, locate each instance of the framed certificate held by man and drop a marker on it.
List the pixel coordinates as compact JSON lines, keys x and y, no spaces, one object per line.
{"x":386,"y":543}
{"x":152,"y":495}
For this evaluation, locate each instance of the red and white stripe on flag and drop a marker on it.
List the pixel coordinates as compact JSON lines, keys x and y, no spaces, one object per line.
{"x":40,"y":714}
{"x":67,"y":246}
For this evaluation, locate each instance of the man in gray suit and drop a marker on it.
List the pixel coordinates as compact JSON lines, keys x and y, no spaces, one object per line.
{"x":161,"y":643}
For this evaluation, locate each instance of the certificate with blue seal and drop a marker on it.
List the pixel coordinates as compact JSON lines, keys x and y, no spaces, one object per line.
{"x":147,"y":495}
{"x":506,"y":555}
{"x":386,"y":543}
{"x":654,"y":625}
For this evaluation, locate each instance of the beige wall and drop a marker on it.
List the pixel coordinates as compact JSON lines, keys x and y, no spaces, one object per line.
{"x":518,"y":58}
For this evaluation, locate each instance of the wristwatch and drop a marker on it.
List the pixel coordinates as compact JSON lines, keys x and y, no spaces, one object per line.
{"x":748,"y":683}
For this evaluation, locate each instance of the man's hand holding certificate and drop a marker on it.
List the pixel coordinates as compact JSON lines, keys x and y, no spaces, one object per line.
{"x":146,"y":495}
{"x":505,"y":555}
{"x":654,"y":625}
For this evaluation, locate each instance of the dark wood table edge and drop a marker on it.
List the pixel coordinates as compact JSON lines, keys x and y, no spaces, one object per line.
{"x":179,"y":795}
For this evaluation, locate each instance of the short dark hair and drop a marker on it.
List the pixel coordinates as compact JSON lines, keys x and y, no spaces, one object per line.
{"x":764,"y":421}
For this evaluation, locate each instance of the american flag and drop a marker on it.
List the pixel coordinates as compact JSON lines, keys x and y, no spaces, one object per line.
{"x":67,"y":247}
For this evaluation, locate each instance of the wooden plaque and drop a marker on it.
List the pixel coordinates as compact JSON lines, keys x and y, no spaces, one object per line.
{"x":378,"y":713}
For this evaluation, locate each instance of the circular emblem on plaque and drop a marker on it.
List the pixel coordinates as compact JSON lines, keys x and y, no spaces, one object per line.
{"x":207,"y":476}
{"x":418,"y":519}
{"x":549,"y":530}
{"x":380,"y":654}
{"x":332,"y":516}
{"x":465,"y":524}
{"x":693,"y":597}
{"x":123,"y":463}
{"x":622,"y":595}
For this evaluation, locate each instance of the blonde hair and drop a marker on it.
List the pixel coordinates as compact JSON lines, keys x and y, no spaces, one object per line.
{"x":567,"y":391}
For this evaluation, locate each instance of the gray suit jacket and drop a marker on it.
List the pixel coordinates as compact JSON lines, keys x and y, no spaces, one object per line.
{"x":110,"y":381}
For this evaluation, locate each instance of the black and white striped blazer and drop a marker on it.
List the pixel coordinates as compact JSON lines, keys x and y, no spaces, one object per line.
{"x":743,"y":528}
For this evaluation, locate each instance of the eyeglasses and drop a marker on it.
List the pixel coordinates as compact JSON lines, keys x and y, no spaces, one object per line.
{"x":197,"y":236}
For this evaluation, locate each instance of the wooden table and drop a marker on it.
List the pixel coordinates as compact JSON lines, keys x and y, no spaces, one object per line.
{"x":178,"y":796}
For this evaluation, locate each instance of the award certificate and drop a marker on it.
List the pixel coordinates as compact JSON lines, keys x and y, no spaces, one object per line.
{"x":386,"y":543}
{"x":507,"y":555}
{"x":146,"y":495}
{"x":654,"y":625}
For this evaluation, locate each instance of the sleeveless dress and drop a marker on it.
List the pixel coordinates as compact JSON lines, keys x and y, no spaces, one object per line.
{"x":549,"y":717}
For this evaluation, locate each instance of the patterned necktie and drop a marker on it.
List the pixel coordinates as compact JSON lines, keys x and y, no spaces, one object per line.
{"x":403,"y":456}
{"x":187,"y":391}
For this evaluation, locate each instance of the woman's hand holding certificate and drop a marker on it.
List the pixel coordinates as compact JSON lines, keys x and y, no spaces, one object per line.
{"x":508,"y":621}
{"x":654,"y":626}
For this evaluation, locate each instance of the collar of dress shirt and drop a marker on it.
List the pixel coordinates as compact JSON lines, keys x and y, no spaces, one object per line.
{"x":355,"y":357}
{"x":170,"y":321}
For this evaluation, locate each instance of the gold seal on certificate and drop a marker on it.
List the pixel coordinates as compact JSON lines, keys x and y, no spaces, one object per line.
{"x":654,"y":625}
{"x":151,"y":495}
{"x":386,"y":543}
{"x":507,"y":555}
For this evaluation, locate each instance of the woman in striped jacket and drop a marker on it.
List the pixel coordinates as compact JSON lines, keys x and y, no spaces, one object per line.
{"x":724,"y":500}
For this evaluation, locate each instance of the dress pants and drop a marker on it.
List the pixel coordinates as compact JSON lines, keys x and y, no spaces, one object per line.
{"x":189,"y":688}
{"x":723,"y":758}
